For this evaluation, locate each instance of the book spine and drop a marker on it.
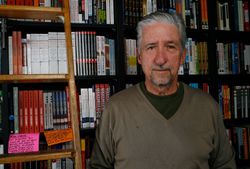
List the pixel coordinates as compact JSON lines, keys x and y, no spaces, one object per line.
{"x":246,"y":15}
{"x":31,"y":115}
{"x":16,"y":109}
{"x":1,"y":110}
{"x":15,"y":52}
{"x":83,"y":148}
{"x":19,"y":53}
{"x":41,"y":106}
{"x":36,"y":111}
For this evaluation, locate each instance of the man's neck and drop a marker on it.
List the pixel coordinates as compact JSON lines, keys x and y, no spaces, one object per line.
{"x":162,"y":90}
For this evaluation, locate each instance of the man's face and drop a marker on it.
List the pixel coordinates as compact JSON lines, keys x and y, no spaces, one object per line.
{"x":160,"y":55}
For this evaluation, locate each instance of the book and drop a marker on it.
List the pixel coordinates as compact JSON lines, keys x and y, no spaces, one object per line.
{"x":10,"y":54}
{"x":68,"y":106}
{"x":107,"y":56}
{"x":41,"y":110}
{"x":15,"y":52}
{"x":62,"y":54}
{"x":16,"y":109}
{"x":98,"y":102}
{"x":36,"y":111}
{"x":44,"y":53}
{"x":83,"y":147}
{"x":53,"y":53}
{"x":246,"y":15}
{"x":100,"y":49}
{"x":31,"y":113}
{"x":112,"y":57}
{"x":19,"y":53}
{"x":1,"y":152}
{"x":84,"y":108}
{"x":2,"y":39}
{"x":92,"y":113}
{"x":130,"y":60}
{"x":21,"y":111}
{"x":1,"y":111}
{"x":35,"y":57}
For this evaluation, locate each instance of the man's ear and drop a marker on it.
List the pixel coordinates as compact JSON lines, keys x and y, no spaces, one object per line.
{"x":138,"y":56}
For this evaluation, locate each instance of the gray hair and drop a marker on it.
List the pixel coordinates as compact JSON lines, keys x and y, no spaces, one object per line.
{"x":163,"y":17}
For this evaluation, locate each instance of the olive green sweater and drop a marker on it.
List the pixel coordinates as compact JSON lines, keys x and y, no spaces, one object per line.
{"x":167,"y":105}
{"x":132,"y":134}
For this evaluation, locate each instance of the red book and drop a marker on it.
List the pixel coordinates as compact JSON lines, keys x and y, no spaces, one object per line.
{"x":10,"y":2}
{"x":178,"y":7}
{"x":245,"y":143}
{"x":21,"y":111}
{"x":36,"y":3}
{"x":246,"y":15}
{"x":14,"y":51}
{"x":26,"y":110}
{"x":28,"y":2}
{"x":31,"y":115}
{"x":41,"y":110}
{"x":19,"y":2}
{"x":107,"y":93}
{"x":36,"y":111}
{"x":19,"y":53}
{"x":98,"y":102}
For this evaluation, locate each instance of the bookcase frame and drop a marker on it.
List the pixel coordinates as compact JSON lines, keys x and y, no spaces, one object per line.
{"x":32,"y":12}
{"x":120,"y":30}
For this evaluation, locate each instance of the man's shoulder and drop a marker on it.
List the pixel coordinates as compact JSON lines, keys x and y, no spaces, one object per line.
{"x":196,"y":92}
{"x":126,"y":93}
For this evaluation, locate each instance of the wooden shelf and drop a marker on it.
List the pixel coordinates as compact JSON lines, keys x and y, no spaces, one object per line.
{"x":34,"y":78}
{"x":37,"y":156}
{"x":30,"y":12}
{"x":47,"y":13}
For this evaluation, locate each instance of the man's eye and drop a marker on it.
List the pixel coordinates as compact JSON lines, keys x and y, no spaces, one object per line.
{"x":150,"y":47}
{"x":171,"y":46}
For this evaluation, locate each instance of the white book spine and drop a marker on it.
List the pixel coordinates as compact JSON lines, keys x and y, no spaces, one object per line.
{"x":108,"y":12}
{"x":85,"y":108}
{"x":35,"y":58}
{"x":100,"y":43}
{"x":1,"y":152}
{"x":62,"y":54}
{"x":86,"y":14}
{"x":92,"y":114}
{"x":73,"y":37}
{"x":53,"y":54}
{"x":24,"y":64}
{"x":10,"y":55}
{"x":44,"y":53}
{"x":111,"y":8}
{"x":83,"y":53}
{"x":77,"y":53}
{"x":28,"y":46}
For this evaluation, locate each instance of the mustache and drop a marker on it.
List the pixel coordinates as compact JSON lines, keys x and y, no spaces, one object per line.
{"x":161,"y":68}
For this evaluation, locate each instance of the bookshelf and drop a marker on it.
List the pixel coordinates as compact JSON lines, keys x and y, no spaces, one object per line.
{"x":31,"y":12}
{"x":212,"y":34}
{"x":126,"y":14}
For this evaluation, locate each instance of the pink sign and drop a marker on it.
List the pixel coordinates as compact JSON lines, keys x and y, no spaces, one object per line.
{"x":21,"y":143}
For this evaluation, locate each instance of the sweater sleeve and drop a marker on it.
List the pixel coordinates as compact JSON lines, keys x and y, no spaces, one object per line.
{"x":223,"y":155}
{"x":102,"y":156}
